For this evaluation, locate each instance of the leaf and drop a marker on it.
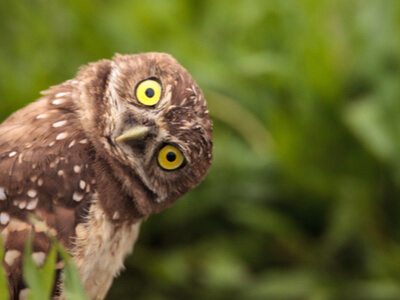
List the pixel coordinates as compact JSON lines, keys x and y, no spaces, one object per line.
{"x":365,"y":120}
{"x":72,"y":285}
{"x":3,"y":279}
{"x":40,"y":280}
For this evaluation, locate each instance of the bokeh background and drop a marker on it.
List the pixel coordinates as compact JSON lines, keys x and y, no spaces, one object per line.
{"x":303,"y":199}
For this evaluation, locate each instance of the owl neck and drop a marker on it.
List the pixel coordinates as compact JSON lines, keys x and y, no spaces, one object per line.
{"x":122,"y":197}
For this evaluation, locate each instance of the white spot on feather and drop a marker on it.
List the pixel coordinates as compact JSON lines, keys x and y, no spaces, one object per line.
{"x":22,"y":204}
{"x":61,"y":136}
{"x":11,"y":256}
{"x":40,"y":182}
{"x":38,"y":258}
{"x":3,"y":195}
{"x":12,"y":154}
{"x":71,"y":144}
{"x":116,"y":216}
{"x":32,"y":193}
{"x":60,"y":265}
{"x":59,"y":123}
{"x":24,"y":294}
{"x":60,"y":173}
{"x":77,"y":169}
{"x":4,"y":218}
{"x":41,"y":116}
{"x":77,"y":197}
{"x":82,"y":184}
{"x":32,"y":204}
{"x":84,"y":141}
{"x":58,"y":101}
{"x":62,"y":94}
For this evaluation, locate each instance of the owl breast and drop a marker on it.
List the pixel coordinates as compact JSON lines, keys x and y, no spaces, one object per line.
{"x":100,"y":248}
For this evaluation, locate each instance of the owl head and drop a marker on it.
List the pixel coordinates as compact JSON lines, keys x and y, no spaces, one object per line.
{"x":148,"y":119}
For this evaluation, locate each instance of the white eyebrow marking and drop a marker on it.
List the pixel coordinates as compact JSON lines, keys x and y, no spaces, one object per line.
{"x":61,"y":136}
{"x":59,"y":123}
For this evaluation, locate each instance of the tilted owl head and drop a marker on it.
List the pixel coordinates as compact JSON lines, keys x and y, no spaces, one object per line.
{"x":151,"y":123}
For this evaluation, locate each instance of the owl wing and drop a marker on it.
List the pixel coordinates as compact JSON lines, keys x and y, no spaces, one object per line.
{"x":45,"y":180}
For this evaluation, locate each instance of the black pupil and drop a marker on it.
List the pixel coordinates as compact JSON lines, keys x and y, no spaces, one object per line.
{"x":171,"y":156}
{"x":149,"y":92}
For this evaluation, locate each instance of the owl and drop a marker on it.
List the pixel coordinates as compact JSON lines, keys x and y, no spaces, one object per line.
{"x":95,"y":156}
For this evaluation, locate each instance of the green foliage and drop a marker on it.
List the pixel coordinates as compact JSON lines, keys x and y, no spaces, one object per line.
{"x":72,"y":285}
{"x":39,"y":279}
{"x":302,"y":201}
{"x":3,"y":279}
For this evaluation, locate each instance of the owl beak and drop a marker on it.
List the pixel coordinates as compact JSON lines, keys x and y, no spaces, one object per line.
{"x":135,"y":133}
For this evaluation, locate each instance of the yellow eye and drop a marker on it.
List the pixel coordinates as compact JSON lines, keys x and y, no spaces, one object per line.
{"x":148,"y":92}
{"x":170,"y":158}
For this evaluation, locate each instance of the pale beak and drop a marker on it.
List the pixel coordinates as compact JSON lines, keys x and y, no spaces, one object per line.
{"x":134,"y":133}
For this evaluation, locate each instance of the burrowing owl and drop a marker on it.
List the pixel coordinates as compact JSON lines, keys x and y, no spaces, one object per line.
{"x":96,"y":155}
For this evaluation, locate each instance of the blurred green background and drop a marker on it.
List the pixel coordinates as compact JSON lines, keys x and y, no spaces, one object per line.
{"x":303,"y":199}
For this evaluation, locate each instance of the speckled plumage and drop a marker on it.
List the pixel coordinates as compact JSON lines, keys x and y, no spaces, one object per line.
{"x":61,"y":166}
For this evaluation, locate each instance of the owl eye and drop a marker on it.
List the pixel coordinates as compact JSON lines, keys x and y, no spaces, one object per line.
{"x":170,"y":158}
{"x":148,"y":92}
